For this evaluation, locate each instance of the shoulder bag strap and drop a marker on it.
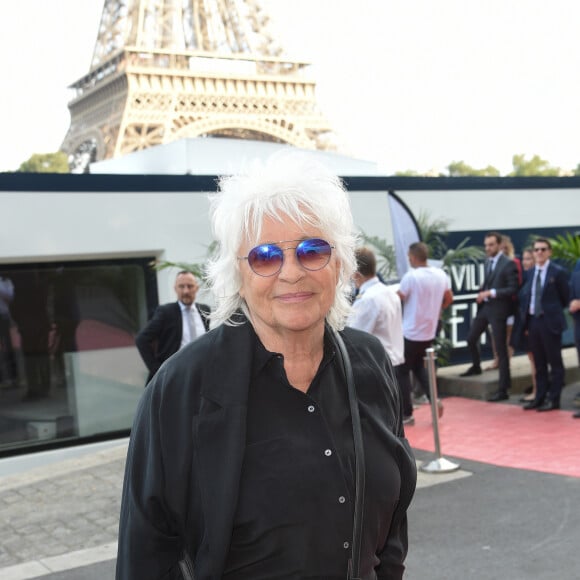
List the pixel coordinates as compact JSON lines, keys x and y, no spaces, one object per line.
{"x":359,"y":462}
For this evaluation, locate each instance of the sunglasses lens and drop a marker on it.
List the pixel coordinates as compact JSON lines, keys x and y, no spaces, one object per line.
{"x":313,"y":254}
{"x":266,"y":260}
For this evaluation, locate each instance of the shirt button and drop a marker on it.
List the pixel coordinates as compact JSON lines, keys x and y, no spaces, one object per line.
{"x":311,"y":408}
{"x":341,"y":499}
{"x":346,"y":545}
{"x":327,"y":452}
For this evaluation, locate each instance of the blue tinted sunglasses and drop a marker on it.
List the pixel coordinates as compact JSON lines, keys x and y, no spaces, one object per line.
{"x":267,"y":259}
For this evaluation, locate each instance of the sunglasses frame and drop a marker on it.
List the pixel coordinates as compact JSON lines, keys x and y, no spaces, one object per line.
{"x":282,"y":250}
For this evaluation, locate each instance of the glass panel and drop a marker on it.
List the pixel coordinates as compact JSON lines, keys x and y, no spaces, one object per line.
{"x":68,"y":364}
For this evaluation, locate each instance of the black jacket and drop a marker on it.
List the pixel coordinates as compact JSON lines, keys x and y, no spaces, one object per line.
{"x":187,"y":448}
{"x":504,"y":279}
{"x":162,"y":336}
{"x":555,"y":297}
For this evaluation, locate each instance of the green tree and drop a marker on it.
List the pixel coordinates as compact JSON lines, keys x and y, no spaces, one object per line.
{"x":460,"y":169}
{"x":46,"y":163}
{"x":577,"y":170}
{"x":523,"y":167}
{"x":409,"y":173}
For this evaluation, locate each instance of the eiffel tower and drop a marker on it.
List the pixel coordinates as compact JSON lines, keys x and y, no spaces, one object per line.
{"x":170,"y":69}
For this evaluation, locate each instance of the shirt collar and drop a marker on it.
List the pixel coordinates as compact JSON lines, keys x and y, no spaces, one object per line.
{"x":262,"y":356}
{"x":544,"y":267}
{"x":364,"y":287}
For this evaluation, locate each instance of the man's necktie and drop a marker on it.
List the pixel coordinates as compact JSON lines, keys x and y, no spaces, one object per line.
{"x":538,"y":294}
{"x":191,"y":322}
{"x":487,"y":273}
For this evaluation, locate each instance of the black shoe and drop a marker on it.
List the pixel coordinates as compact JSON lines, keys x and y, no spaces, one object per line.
{"x":528,"y":390}
{"x":531,"y":405}
{"x":499,"y":396}
{"x":471,"y":371}
{"x":549,"y":406}
{"x":576,"y":415}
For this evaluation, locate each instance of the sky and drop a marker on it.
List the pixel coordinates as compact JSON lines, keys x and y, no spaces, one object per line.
{"x":409,"y":84}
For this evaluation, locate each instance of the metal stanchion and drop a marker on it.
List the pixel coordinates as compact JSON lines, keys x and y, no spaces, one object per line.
{"x":439,"y":464}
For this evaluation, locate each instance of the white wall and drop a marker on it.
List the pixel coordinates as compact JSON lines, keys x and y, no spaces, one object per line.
{"x":45,"y":226}
{"x":498,"y":209}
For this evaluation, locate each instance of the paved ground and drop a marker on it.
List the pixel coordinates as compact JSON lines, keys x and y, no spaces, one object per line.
{"x":65,"y":508}
{"x":59,"y":518}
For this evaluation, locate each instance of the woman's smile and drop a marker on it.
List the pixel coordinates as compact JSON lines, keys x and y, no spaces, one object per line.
{"x":292,"y":297}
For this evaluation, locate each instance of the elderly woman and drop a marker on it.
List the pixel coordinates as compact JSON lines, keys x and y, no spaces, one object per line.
{"x":251,"y":456}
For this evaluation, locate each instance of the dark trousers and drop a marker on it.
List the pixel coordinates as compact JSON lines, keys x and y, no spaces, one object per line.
{"x":402,"y":376}
{"x":499,"y":331}
{"x":415,"y":363}
{"x":546,"y":346}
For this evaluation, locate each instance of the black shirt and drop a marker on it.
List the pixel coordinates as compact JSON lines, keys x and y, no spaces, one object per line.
{"x":295,"y":504}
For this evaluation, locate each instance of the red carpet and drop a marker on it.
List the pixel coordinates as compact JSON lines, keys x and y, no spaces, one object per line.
{"x":503,"y":435}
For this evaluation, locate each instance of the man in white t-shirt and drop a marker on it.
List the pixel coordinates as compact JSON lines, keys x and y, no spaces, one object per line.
{"x":377,"y":310}
{"x":425,"y":291}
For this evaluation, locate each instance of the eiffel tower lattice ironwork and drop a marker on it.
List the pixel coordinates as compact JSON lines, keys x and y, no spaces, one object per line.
{"x":169,"y":69}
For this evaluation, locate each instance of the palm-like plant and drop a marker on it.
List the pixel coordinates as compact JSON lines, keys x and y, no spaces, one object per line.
{"x":433,"y":233}
{"x":566,"y":248}
{"x":385,"y":253}
{"x":197,"y":269}
{"x":462,"y":253}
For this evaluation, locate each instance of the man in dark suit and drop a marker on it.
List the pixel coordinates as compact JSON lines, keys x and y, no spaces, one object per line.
{"x":495,"y":304}
{"x":173,"y":325}
{"x":544,"y":298}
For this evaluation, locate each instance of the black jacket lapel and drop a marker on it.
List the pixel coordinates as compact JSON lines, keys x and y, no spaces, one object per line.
{"x":220,"y":436}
